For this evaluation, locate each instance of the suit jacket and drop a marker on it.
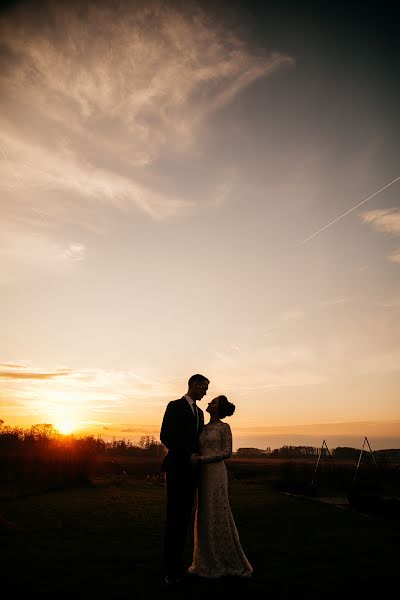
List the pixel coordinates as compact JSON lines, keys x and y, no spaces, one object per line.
{"x":179,"y":435}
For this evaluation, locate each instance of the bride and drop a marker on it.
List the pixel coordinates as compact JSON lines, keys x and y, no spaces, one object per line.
{"x":217,"y":549}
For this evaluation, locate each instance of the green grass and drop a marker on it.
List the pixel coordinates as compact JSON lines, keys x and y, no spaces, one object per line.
{"x":105,"y":541}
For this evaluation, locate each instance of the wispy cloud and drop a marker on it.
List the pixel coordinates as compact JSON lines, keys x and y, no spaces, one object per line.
{"x":222,"y":191}
{"x":45,"y":391}
{"x":29,"y":252}
{"x":74,"y":253}
{"x":267,"y":367}
{"x":115,"y":84}
{"x":335,"y":301}
{"x":338,"y":427}
{"x":390,"y":303}
{"x":155,"y":61}
{"x":395,"y":256}
{"x":385,"y":220}
{"x":31,"y":375}
{"x":29,"y":167}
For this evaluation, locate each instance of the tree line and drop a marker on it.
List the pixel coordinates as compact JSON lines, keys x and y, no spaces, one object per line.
{"x":339,"y":453}
{"x":44,"y":437}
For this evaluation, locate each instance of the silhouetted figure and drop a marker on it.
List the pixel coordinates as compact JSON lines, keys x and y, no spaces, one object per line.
{"x":217,"y":549}
{"x":182,"y":423}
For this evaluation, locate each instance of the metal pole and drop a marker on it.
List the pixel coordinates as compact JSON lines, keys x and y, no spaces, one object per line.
{"x":316,"y":466}
{"x":319,"y":458}
{"x":372,"y":453}
{"x":359,"y":460}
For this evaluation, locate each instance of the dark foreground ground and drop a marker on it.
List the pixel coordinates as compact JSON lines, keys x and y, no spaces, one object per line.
{"x":105,"y":541}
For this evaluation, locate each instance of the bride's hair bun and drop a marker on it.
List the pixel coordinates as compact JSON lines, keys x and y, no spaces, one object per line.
{"x":225,"y":408}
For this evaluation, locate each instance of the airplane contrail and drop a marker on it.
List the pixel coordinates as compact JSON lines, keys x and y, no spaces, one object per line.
{"x":349,"y":211}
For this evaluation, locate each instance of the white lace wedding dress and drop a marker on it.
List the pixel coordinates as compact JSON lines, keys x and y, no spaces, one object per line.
{"x":217,"y":549}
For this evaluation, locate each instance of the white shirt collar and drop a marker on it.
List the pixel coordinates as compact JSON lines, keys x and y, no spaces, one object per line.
{"x":189,"y":399}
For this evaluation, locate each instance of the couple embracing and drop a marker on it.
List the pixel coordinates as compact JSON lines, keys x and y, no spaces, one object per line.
{"x":194,"y":467}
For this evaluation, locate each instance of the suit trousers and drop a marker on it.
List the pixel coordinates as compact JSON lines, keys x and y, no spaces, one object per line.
{"x":181,"y":493}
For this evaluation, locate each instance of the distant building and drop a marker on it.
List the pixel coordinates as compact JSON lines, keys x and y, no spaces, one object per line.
{"x":251,"y":452}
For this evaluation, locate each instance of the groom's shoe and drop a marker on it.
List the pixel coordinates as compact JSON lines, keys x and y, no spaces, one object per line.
{"x":170,"y":580}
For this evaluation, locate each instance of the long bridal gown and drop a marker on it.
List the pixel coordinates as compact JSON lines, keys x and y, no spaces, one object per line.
{"x":217,"y":548}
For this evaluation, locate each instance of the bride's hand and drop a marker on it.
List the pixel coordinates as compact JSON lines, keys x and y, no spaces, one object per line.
{"x":195,"y":459}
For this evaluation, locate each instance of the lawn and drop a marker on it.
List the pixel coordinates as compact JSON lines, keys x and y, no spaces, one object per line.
{"x":104,"y":540}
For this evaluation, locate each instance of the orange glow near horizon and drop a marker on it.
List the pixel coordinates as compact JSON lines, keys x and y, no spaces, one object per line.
{"x":65,"y":427}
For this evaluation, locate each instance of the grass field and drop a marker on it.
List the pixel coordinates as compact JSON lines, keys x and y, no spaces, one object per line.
{"x":104,"y":540}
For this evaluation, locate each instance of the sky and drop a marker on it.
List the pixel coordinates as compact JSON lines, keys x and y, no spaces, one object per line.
{"x":201,"y":187}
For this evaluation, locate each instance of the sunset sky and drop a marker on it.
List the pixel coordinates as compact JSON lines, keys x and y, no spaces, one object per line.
{"x":191,"y":187}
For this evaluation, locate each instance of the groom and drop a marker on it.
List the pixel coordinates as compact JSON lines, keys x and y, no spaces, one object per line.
{"x":180,"y":430}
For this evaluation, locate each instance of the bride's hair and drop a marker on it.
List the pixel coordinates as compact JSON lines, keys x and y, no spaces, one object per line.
{"x":225,"y":408}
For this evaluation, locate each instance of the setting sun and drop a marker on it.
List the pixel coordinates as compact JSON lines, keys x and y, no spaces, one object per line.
{"x":65,"y":427}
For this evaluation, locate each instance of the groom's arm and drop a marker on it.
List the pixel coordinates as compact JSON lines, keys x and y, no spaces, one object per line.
{"x":172,"y":433}
{"x":168,"y":426}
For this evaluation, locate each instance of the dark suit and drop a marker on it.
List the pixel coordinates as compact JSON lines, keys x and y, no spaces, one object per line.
{"x":179,"y":436}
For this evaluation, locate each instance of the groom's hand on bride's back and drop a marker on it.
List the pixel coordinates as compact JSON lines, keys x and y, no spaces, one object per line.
{"x":195,"y":458}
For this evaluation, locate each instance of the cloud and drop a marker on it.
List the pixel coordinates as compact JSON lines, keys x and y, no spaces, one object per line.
{"x":267,"y":367}
{"x":335,"y":301}
{"x":337,"y":427}
{"x":32,"y":375}
{"x":30,"y":167}
{"x":390,"y":303}
{"x":27,"y":252}
{"x":74,"y":253}
{"x":222,"y":191}
{"x":385,"y":220}
{"x":395,"y":257}
{"x":142,"y":429}
{"x":48,"y":392}
{"x":95,"y":93}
